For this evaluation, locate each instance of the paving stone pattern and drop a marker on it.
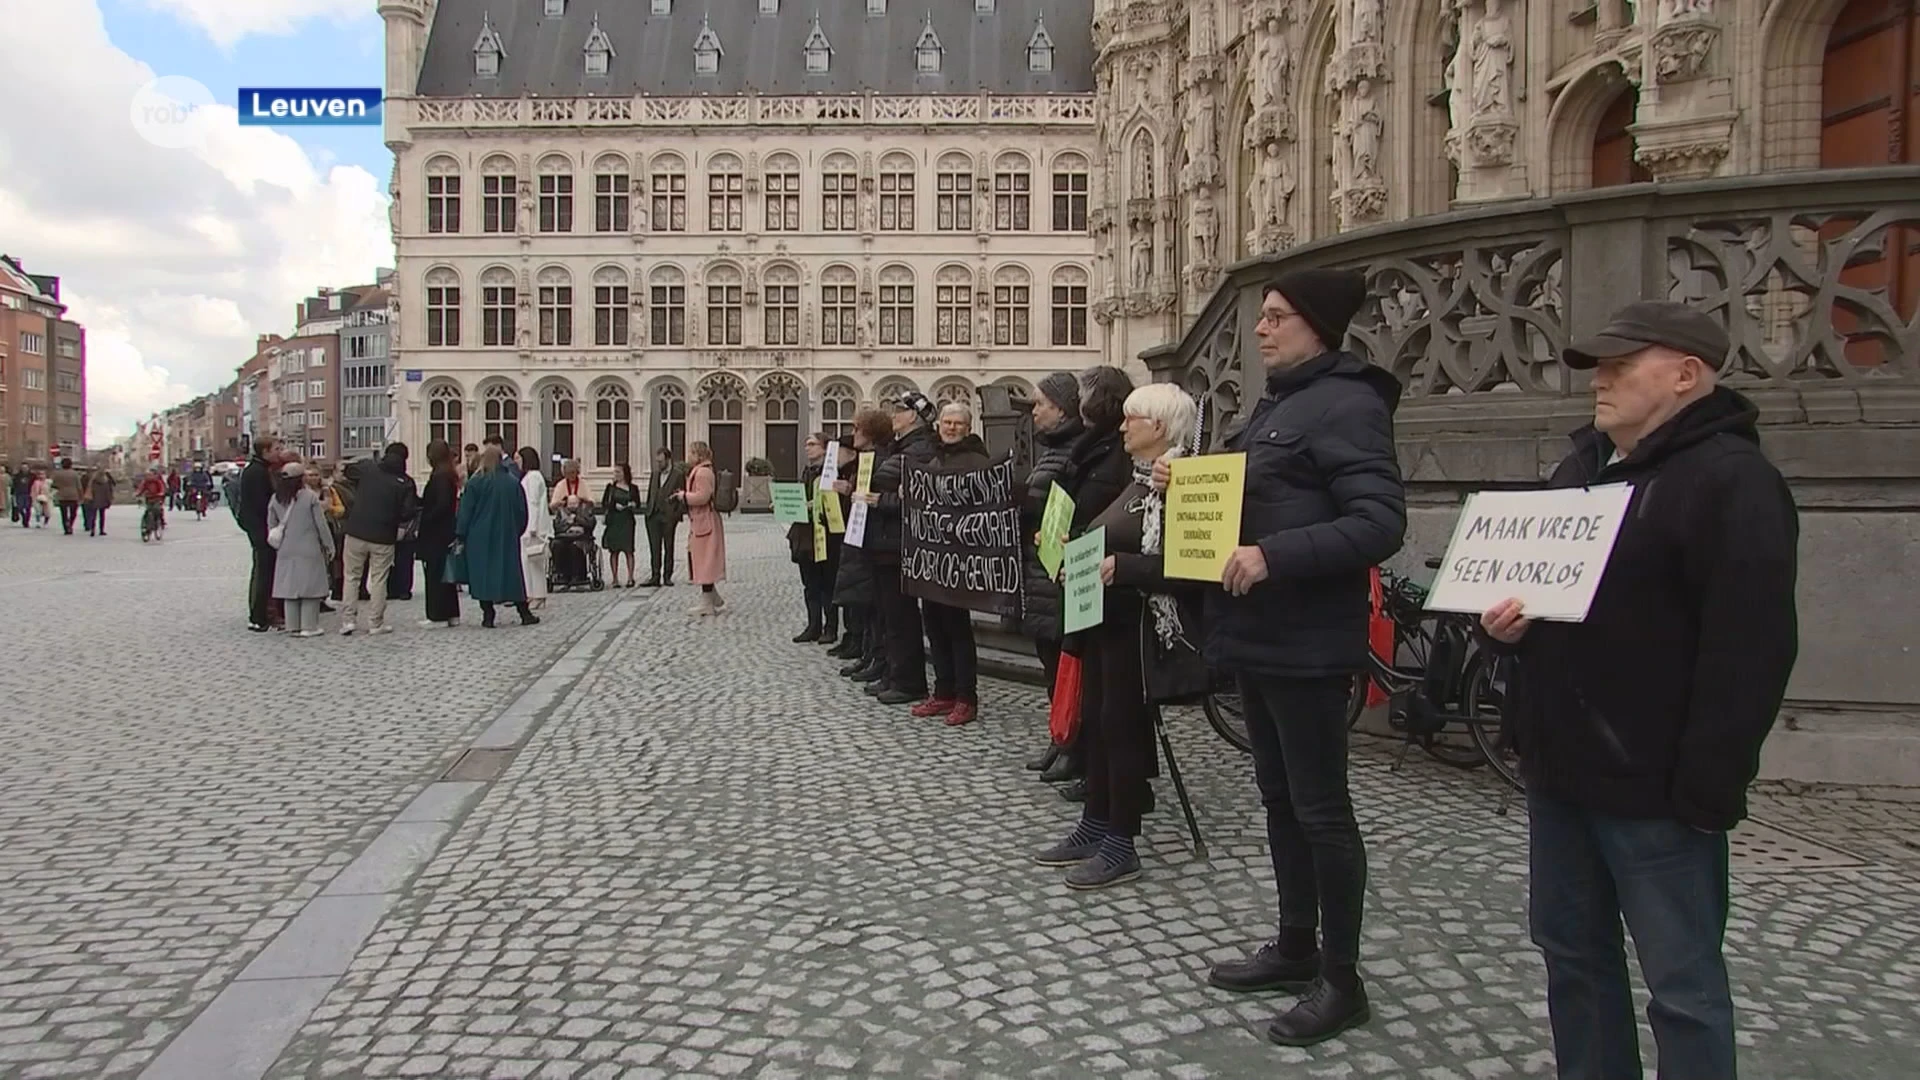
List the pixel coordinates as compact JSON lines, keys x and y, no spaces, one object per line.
{"x":715,"y":859}
{"x":174,"y":789}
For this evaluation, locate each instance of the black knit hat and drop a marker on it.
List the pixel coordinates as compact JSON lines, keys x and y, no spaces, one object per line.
{"x":1327,"y":299}
{"x":1063,"y":390}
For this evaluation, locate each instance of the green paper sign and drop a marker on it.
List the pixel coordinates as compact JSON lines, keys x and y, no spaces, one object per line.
{"x":1085,"y":596}
{"x":789,"y":503}
{"x":1055,"y":520}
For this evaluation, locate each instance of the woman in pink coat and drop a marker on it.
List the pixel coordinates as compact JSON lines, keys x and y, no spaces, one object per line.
{"x":707,"y":547}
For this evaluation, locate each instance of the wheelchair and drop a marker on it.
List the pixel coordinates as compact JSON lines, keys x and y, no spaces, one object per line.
{"x":582,"y":556}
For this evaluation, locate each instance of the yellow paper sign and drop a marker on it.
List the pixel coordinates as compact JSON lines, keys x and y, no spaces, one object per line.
{"x":1203,"y":515}
{"x":830,"y":510}
{"x":864,"y":481}
{"x":819,"y":542}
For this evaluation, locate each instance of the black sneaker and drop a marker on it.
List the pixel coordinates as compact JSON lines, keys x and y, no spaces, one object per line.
{"x":877,"y":687}
{"x":1325,"y":1012}
{"x":828,"y":637}
{"x":1076,"y":791}
{"x":853,"y":669}
{"x":871,"y":675}
{"x":811,"y":633}
{"x":899,"y":697}
{"x":1102,"y":871}
{"x":1266,"y":968}
{"x":258,"y":628}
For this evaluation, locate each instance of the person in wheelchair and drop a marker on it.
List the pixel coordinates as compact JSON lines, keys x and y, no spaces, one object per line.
{"x":574,"y":558}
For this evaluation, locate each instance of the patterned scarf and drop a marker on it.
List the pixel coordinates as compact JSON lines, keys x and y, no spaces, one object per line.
{"x":1152,"y":507}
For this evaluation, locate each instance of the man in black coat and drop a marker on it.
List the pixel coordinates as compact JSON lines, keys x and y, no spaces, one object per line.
{"x":384,"y":499}
{"x":256,"y":491}
{"x":1639,"y":728}
{"x":906,"y":679}
{"x":662,"y":514}
{"x":1323,"y":505}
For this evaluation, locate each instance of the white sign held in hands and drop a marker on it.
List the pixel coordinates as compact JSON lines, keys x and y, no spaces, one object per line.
{"x":1545,"y":548}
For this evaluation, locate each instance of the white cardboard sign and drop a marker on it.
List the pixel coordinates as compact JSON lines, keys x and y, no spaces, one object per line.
{"x":1545,"y":548}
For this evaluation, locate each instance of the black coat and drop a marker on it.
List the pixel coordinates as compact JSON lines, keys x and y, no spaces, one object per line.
{"x":800,"y":534}
{"x":1175,"y":674}
{"x":1325,"y":504}
{"x":916,"y":447}
{"x":383,"y":500}
{"x":1656,"y":705}
{"x":1042,"y":604}
{"x":1097,"y":471}
{"x":968,"y":453}
{"x":256,"y":490}
{"x":438,"y":505}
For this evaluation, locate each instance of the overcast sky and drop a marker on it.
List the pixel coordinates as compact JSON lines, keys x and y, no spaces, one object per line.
{"x":176,"y":256}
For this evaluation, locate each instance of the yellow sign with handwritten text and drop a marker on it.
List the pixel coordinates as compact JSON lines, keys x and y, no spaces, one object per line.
{"x":1203,"y":514}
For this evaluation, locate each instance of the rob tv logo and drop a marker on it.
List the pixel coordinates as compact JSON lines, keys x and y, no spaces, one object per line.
{"x":262,"y":107}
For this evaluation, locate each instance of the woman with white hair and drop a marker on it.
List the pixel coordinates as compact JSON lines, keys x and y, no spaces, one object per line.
{"x":950,"y":643}
{"x":1142,"y":655}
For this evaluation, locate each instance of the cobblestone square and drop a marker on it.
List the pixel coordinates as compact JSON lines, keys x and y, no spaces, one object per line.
{"x":685,"y":847}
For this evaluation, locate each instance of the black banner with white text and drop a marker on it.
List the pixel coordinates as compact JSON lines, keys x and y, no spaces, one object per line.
{"x":960,"y":537}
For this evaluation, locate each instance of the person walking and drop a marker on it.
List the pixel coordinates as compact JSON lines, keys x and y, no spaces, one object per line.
{"x":256,"y":490}
{"x":913,"y":445}
{"x":99,"y":501}
{"x":950,"y":643}
{"x":621,"y":505}
{"x":383,"y":500}
{"x":536,"y":542}
{"x":22,"y":505}
{"x":303,"y":549}
{"x":1639,"y":727}
{"x":1056,"y":425}
{"x":663,"y":515}
{"x":66,"y":492}
{"x":707,"y":533}
{"x":173,"y":488}
{"x":42,"y":499}
{"x":1324,"y":505}
{"x":490,"y":527}
{"x":439,"y":503}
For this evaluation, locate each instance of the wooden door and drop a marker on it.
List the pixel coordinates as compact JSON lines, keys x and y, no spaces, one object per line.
{"x":1613,"y":162}
{"x":725,"y":440}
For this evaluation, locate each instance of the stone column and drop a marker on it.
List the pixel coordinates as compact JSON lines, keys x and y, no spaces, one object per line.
{"x":1686,"y":114}
{"x":1202,"y":181}
{"x":1483,"y":118}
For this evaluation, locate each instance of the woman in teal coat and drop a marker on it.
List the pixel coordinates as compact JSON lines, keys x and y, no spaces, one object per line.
{"x":493,"y":514}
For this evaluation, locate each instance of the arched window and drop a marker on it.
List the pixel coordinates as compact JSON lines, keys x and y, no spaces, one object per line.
{"x":672,"y":411}
{"x":726,"y":192}
{"x":837,"y":405}
{"x":612,"y":306}
{"x":556,"y":306}
{"x":780,"y":299}
{"x":443,"y":195}
{"x":1069,"y":306}
{"x":724,"y":300}
{"x":500,"y":415}
{"x":445,"y":415}
{"x":962,"y":393}
{"x":612,"y":426}
{"x":896,"y":193}
{"x":780,"y":419}
{"x":497,"y":306}
{"x":443,"y":307}
{"x":892,"y":389}
{"x":1012,"y":306}
{"x":838,"y":300}
{"x":726,"y":411}
{"x":556,"y":418}
{"x":781,"y":181}
{"x":556,"y":194}
{"x":1070,"y":193}
{"x":1012,"y":193}
{"x":953,"y":193}
{"x":669,"y":188}
{"x":612,"y":193}
{"x":896,"y":306}
{"x":953,"y":306}
{"x":667,"y":306}
{"x":499,"y":195}
{"x":839,"y":194}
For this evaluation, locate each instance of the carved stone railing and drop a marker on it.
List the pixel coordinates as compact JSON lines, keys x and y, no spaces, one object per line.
{"x":743,"y":111}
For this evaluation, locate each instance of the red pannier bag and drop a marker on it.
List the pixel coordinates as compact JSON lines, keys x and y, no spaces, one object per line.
{"x":1063,"y":718}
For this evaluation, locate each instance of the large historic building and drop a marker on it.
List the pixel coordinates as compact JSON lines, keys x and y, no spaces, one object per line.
{"x":623,"y":226}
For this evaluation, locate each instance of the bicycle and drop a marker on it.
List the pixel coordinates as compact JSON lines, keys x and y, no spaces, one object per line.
{"x":153,"y":522}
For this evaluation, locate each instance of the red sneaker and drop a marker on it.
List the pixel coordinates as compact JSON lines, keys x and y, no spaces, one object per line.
{"x":963,"y":712}
{"x":934,"y":706}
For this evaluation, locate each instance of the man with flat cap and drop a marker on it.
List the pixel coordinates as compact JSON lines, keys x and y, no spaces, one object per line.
{"x":1640,"y":727}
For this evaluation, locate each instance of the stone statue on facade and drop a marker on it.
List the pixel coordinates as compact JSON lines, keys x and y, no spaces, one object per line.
{"x":1142,"y":257}
{"x":1367,"y":17}
{"x":1684,"y":9}
{"x":869,"y":326}
{"x":1363,"y":134}
{"x":1491,"y":54}
{"x":1206,"y":227}
{"x":1200,"y":128}
{"x":1266,"y":69}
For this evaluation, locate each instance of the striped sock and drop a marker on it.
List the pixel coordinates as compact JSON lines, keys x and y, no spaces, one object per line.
{"x":1091,"y":830}
{"x":1116,"y":850}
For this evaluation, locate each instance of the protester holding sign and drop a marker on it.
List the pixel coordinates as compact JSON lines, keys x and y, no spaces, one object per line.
{"x":1323,"y":506}
{"x":906,"y":679}
{"x":1640,"y":726}
{"x":816,"y":575}
{"x":950,"y":644}
{"x":1143,"y":651}
{"x":1056,"y":426}
{"x":864,"y":645}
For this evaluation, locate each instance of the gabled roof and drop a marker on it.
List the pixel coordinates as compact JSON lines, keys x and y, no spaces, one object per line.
{"x":707,"y":40}
{"x":489,"y":39}
{"x":597,"y":40}
{"x":1040,"y":39}
{"x":928,"y":39}
{"x":816,"y":37}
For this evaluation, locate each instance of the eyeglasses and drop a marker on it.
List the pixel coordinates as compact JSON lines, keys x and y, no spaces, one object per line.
{"x":1275,"y":318}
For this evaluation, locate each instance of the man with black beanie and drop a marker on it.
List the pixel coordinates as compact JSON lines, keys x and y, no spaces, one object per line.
{"x":1324,"y":505}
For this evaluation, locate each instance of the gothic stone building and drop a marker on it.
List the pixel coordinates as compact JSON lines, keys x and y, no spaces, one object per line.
{"x":1506,"y":172}
{"x":623,"y":226}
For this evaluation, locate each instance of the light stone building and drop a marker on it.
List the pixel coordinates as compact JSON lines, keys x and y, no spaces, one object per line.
{"x":622,"y":226}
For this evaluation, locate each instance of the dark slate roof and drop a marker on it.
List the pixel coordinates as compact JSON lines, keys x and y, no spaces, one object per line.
{"x":653,"y":54}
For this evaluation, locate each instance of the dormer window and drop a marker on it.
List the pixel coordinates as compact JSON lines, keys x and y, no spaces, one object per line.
{"x":663,"y":7}
{"x":983,"y":7}
{"x":488,"y":50}
{"x":819,"y":51}
{"x":876,"y":7}
{"x":769,"y":7}
{"x":599,"y":49}
{"x":1040,"y":48}
{"x":556,"y":8}
{"x":706,"y":50}
{"x":926,"y":51}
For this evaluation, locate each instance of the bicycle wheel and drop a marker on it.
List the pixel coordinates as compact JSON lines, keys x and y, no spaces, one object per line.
{"x":1228,"y":719}
{"x":1485,"y":699}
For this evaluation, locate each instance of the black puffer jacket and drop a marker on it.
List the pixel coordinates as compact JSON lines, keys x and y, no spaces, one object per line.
{"x":1051,"y":449}
{"x":1325,"y":504}
{"x":968,"y":453}
{"x":916,"y":447}
{"x":1098,"y":470}
{"x":384,"y":499}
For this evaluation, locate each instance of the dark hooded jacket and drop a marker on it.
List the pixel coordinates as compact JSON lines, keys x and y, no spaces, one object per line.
{"x":853,"y":580}
{"x":1097,"y":471}
{"x":1325,"y":503}
{"x":1051,"y":450}
{"x":384,"y":499}
{"x":968,"y":453}
{"x":256,"y":489}
{"x":1656,"y":705}
{"x":916,"y":447}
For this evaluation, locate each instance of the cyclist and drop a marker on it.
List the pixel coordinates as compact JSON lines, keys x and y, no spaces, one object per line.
{"x":153,"y":492}
{"x":199,"y":486}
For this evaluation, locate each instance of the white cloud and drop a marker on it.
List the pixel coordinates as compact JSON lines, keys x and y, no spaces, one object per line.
{"x":175,"y":259}
{"x":227,"y":21}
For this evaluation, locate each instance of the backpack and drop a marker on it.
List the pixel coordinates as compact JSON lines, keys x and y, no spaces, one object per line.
{"x":726,"y":492}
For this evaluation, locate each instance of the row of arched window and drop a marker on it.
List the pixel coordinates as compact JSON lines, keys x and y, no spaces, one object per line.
{"x":792,"y":198}
{"x":901,"y":314}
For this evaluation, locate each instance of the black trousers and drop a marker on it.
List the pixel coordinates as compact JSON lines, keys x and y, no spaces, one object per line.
{"x":1116,"y":740}
{"x":900,"y":613}
{"x":1299,"y":733}
{"x":950,"y":645}
{"x":816,"y":584}
{"x":400,"y":579}
{"x":260,"y":585}
{"x":443,"y":597}
{"x":69,"y":513}
{"x":660,"y":548}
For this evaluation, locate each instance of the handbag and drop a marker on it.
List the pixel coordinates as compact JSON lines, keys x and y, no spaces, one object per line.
{"x":456,"y":569}
{"x":275,"y":535}
{"x":1063,"y":715}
